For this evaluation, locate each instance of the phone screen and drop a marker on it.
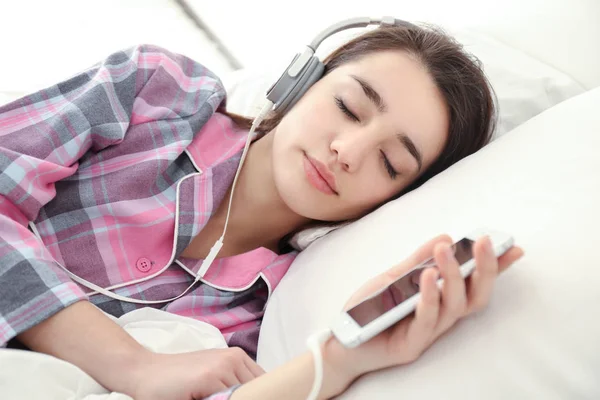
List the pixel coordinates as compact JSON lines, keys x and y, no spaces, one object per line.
{"x":403,"y":288}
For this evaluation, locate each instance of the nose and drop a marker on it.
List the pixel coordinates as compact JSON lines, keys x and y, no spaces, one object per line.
{"x":352,"y":148}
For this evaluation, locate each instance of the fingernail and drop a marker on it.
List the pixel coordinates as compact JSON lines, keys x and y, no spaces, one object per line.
{"x":448,"y":253}
{"x":488,"y":245}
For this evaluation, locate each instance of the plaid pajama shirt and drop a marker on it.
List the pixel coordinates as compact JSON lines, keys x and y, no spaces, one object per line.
{"x":111,"y":174}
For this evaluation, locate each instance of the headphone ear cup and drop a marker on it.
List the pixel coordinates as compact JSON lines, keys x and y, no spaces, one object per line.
{"x":312,"y":73}
{"x":288,"y":90}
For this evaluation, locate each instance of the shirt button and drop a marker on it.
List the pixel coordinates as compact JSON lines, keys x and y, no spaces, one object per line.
{"x":143,"y":264}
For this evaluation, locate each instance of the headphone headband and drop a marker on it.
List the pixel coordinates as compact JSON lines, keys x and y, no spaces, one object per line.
{"x":359,"y":22}
{"x":306,"y":68}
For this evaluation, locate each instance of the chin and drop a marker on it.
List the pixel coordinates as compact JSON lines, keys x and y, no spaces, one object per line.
{"x":294,"y":194}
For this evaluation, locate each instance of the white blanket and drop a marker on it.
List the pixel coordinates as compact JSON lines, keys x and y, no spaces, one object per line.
{"x":31,"y":375}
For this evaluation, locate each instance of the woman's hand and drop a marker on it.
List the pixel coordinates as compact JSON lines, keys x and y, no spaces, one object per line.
{"x":436,"y":312}
{"x":194,"y":375}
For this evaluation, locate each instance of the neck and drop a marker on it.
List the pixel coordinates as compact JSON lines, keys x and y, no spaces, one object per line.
{"x":259,"y":217}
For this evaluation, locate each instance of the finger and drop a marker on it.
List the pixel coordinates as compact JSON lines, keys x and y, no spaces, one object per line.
{"x":230,"y":379}
{"x":384,"y":279}
{"x":482,"y":280}
{"x":426,"y":251}
{"x":253,"y":367}
{"x":454,"y":299}
{"x":243,"y":366}
{"x":421,"y":254}
{"x":243,"y":373}
{"x":422,"y":328}
{"x":508,"y":258}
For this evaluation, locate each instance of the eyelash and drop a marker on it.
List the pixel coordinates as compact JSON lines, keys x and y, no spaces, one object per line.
{"x":391,"y":171}
{"x":345,"y":110}
{"x":388,"y":166}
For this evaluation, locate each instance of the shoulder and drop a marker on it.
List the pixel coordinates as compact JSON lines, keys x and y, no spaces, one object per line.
{"x":219,"y":139}
{"x":187,"y":73}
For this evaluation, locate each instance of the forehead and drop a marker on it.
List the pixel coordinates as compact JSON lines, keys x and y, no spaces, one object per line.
{"x":415,"y":105}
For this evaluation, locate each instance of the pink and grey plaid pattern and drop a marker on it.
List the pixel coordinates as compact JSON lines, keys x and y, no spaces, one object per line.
{"x":117,"y":169}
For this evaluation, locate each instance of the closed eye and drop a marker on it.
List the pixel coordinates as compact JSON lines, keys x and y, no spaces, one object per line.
{"x":340,"y":103}
{"x":388,"y":166}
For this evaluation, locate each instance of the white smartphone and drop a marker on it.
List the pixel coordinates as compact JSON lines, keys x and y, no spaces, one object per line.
{"x":399,"y":299}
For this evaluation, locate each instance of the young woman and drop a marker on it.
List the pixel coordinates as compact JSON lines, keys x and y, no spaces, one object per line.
{"x":121,"y":175}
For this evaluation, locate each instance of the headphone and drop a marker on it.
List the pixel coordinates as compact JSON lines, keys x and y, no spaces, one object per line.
{"x":304,"y":70}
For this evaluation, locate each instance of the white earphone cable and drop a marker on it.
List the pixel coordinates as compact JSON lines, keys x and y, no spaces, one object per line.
{"x":314,"y":343}
{"x":264,"y":111}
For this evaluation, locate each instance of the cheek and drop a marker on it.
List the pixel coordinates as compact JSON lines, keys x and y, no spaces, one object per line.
{"x":365,"y":201}
{"x":373,"y":186}
{"x":287,"y":167}
{"x":313,"y":116}
{"x":292,"y":132}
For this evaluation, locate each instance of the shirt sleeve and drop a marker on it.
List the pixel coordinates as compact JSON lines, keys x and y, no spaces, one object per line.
{"x":43,"y":137}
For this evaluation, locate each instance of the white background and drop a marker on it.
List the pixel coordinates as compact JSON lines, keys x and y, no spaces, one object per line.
{"x":42,"y":42}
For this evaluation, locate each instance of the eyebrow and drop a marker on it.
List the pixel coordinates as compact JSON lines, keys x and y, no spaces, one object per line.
{"x":382,"y":107}
{"x":412,"y":149}
{"x":371,"y":94}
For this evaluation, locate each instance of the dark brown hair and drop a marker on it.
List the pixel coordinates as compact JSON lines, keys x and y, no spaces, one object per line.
{"x":458,"y":75}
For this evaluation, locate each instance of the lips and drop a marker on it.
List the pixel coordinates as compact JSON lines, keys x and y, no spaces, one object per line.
{"x":319,"y":175}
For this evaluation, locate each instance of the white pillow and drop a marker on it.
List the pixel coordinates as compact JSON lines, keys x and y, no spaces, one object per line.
{"x":539,"y":336}
{"x":524,"y":86}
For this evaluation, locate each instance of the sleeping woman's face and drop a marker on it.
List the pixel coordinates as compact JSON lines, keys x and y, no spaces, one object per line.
{"x":358,"y":137}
